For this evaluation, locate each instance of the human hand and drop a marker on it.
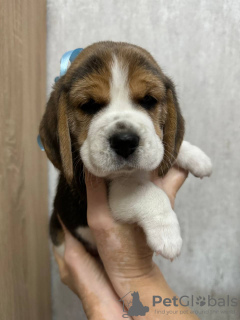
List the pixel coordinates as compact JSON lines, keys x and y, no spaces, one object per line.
{"x":122,"y":247}
{"x":123,"y":250}
{"x":86,"y":277}
{"x":171,"y":182}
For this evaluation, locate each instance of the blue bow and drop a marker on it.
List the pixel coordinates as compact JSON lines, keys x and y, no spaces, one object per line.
{"x":68,"y":56}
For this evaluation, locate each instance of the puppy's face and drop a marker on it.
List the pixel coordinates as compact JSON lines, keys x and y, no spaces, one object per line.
{"x":123,"y":131}
{"x":115,"y":108}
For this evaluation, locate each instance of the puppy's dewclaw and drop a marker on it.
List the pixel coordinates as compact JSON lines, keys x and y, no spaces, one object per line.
{"x":116,"y":113}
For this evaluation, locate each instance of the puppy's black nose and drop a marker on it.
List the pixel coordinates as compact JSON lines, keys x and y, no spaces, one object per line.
{"x":124,"y":143}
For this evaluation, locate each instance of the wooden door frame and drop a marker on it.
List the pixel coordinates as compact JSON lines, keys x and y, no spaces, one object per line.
{"x":24,"y":249}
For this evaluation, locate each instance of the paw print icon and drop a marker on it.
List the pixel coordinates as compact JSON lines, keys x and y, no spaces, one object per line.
{"x":201,"y":301}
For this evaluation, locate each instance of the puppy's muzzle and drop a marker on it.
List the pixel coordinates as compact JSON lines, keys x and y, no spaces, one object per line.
{"x":124,"y":143}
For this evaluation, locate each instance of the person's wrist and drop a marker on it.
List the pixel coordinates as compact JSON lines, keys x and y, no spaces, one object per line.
{"x":124,"y":284}
{"x":108,"y":307}
{"x":147,"y":286}
{"x":100,"y":303}
{"x":106,"y":310}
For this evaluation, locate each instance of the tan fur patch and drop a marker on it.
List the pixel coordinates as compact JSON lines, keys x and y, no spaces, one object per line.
{"x":95,"y":85}
{"x":142,"y":83}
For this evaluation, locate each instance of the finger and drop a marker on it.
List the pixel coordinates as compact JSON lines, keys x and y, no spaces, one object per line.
{"x":65,"y":230}
{"x":57,"y":257}
{"x":96,"y":191}
{"x":171,"y":182}
{"x":175,"y":179}
{"x":73,"y":247}
{"x":98,"y":213}
{"x":60,"y":262}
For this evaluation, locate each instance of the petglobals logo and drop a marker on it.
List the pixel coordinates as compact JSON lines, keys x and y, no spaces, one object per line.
{"x":134,"y":305}
{"x":192,"y":301}
{"x":199,"y":305}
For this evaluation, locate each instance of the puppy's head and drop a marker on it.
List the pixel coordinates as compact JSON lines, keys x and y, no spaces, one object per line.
{"x":115,"y":111}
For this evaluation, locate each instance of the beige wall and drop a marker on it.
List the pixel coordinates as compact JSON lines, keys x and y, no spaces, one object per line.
{"x":24,"y":254}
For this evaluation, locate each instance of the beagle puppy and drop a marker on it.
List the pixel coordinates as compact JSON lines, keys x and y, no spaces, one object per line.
{"x":116,"y":113}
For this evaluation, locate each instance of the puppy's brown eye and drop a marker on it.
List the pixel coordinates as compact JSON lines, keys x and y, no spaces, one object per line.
{"x":91,"y":107}
{"x":148,"y":102}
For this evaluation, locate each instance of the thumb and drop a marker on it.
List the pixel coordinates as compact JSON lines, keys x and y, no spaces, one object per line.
{"x":174,"y":180}
{"x":71,"y":243}
{"x":98,"y":212}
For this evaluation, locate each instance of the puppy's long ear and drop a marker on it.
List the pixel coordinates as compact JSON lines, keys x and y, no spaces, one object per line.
{"x":173,"y":130}
{"x":65,"y":139}
{"x":55,"y":135}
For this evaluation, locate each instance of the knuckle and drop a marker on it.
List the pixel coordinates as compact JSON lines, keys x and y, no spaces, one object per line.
{"x":101,"y":222}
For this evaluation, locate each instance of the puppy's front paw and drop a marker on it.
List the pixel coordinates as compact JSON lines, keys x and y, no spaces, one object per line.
{"x":166,"y":240}
{"x":195,"y":160}
{"x":200,"y":164}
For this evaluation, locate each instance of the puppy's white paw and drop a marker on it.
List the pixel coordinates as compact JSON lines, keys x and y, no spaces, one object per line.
{"x":204,"y":169}
{"x":194,"y":160}
{"x":166,"y":240}
{"x":200,"y":164}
